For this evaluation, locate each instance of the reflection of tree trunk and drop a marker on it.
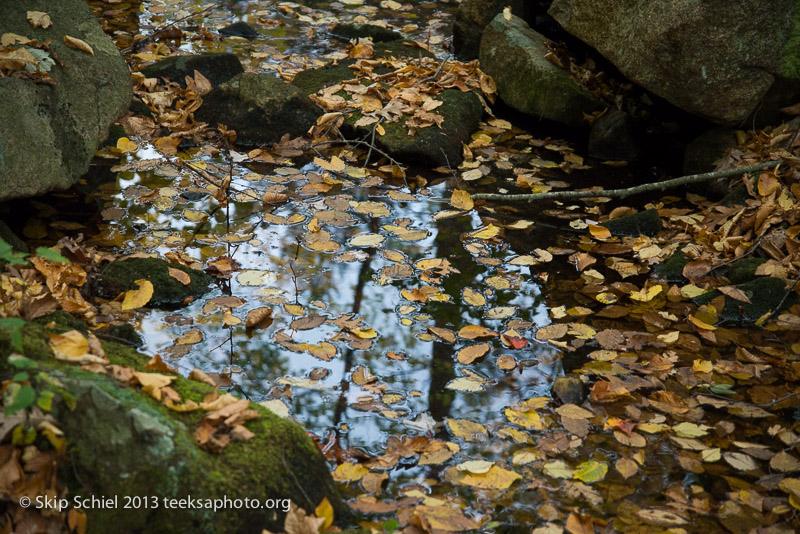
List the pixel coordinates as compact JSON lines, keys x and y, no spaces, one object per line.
{"x":448,"y":315}
{"x":363,"y":278}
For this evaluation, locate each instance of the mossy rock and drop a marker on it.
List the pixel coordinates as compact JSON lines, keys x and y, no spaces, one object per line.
{"x":260,"y":107}
{"x":217,"y":68}
{"x":765,"y":294}
{"x":431,"y":146}
{"x":121,"y":442}
{"x":743,"y":270}
{"x":378,"y":34}
{"x":121,"y":276}
{"x":645,"y":222}
{"x":672,"y":269}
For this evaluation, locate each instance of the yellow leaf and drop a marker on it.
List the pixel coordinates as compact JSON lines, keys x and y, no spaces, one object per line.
{"x":74,"y":42}
{"x":180,"y":276}
{"x":70,"y":344}
{"x":334,"y":165}
{"x":646,"y":294}
{"x":599,"y":232}
{"x":349,"y":472}
{"x":136,"y":298}
{"x":702,"y":366}
{"x":472,"y":297}
{"x":525,"y":417}
{"x":485,"y":233}
{"x":507,"y":12}
{"x":591,"y":471}
{"x":473,"y":331}
{"x":461,"y":200}
{"x":366,"y":240}
{"x":294,"y":309}
{"x":468,"y":430}
{"x":190,"y":338}
{"x":496,"y":478}
{"x":325,"y":511}
{"x":125,"y":145}
{"x":364,"y":333}
{"x":558,"y":469}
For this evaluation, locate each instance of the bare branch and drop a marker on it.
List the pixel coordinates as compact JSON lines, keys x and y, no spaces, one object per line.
{"x":622,"y":193}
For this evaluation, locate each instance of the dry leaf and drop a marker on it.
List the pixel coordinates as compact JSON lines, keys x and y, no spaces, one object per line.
{"x":74,"y":42}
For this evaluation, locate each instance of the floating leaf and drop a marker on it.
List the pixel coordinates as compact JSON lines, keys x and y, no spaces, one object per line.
{"x":591,"y":471}
{"x":468,"y":430}
{"x":471,"y":353}
{"x":461,"y":200}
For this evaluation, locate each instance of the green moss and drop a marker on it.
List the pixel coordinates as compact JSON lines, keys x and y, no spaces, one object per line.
{"x":168,"y":292}
{"x":743,"y":270}
{"x":765,"y":294}
{"x":62,"y":321}
{"x":672,"y":269}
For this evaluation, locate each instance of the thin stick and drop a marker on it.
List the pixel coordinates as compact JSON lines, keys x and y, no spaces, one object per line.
{"x":435,"y":75}
{"x":622,"y":193}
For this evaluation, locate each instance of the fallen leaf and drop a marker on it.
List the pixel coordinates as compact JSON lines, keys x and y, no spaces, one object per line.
{"x":74,"y":42}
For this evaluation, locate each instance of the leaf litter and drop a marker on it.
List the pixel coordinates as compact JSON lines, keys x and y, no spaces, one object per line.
{"x":694,"y":391}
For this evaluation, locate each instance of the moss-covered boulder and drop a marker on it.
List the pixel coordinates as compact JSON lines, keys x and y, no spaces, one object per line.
{"x":430,"y":146}
{"x":121,"y":443}
{"x":260,"y":107}
{"x":378,"y":34}
{"x":168,"y":292}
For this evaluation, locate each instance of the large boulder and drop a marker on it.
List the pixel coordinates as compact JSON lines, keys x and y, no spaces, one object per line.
{"x":123,"y":444}
{"x":260,"y":107}
{"x":473,"y":16}
{"x":514,"y":55}
{"x":49,"y":133}
{"x":718,"y":59}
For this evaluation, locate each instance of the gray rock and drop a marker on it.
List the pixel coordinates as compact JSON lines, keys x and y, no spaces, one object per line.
{"x":701,"y":156}
{"x":378,"y":34}
{"x":49,"y":134}
{"x":716,"y":59}
{"x":260,"y":107}
{"x":218,"y":68}
{"x":240,"y":29}
{"x":513,"y":54}
{"x":702,"y":153}
{"x":471,"y":19}
{"x":613,"y":137}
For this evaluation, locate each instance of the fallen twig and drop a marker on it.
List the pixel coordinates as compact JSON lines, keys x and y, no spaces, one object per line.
{"x":622,"y":193}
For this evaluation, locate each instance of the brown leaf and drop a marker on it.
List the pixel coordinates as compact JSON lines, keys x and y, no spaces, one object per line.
{"x":74,"y":42}
{"x":179,"y":275}
{"x":471,"y":353}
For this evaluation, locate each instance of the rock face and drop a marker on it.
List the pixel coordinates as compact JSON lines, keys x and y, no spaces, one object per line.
{"x":472,"y":17}
{"x":49,"y":134}
{"x":716,"y":59}
{"x":513,"y":54}
{"x":218,"y":68}
{"x":260,"y":107}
